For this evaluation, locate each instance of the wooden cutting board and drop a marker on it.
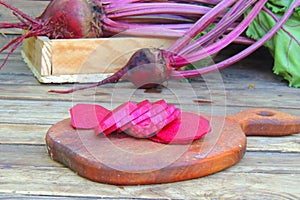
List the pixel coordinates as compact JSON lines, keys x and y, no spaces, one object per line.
{"x":123,"y":160}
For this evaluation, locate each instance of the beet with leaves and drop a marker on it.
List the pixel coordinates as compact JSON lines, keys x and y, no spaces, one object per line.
{"x":205,"y":28}
{"x":82,"y":18}
{"x":187,"y":49}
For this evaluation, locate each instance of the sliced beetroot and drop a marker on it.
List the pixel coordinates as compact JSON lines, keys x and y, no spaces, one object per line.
{"x":150,"y":126}
{"x":86,"y":116}
{"x":142,"y":108}
{"x":152,"y":130}
{"x":154,"y":120}
{"x":185,"y":129}
{"x":115,"y":116}
{"x":156,"y":108}
{"x":142,"y":120}
{"x":173,"y":116}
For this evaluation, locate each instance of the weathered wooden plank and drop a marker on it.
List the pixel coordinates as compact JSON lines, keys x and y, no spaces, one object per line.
{"x":32,"y":112}
{"x":276,"y":144}
{"x":36,"y":156}
{"x":23,"y":134}
{"x":175,"y":93}
{"x":16,"y":66}
{"x":50,"y":112}
{"x":231,"y":78}
{"x":256,"y":176}
{"x":41,"y":197}
{"x":35,"y":135}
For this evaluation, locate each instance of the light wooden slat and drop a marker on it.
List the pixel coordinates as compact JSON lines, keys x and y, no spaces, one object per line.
{"x":277,"y":144}
{"x":31,"y":112}
{"x":23,"y":134}
{"x":253,"y":178}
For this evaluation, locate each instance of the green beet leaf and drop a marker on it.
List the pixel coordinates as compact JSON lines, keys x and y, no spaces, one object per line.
{"x":284,"y":45}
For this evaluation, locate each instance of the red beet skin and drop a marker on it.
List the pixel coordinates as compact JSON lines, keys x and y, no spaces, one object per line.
{"x":68,"y":19}
{"x":185,"y":129}
{"x":86,"y":116}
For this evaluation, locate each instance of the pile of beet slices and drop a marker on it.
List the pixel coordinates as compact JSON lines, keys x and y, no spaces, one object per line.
{"x":158,"y":121}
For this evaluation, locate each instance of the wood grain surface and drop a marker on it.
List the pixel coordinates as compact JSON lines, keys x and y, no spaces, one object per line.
{"x":269,"y":169}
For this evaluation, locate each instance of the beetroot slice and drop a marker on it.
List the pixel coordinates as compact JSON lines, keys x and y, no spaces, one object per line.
{"x":186,"y":128}
{"x":149,"y":132}
{"x":173,"y":116}
{"x":156,"y":108}
{"x":86,"y":116}
{"x":154,"y":120}
{"x":142,"y":108}
{"x":151,"y":125}
{"x":114,"y":117}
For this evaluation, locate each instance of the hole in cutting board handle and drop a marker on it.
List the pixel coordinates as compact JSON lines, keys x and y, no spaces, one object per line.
{"x":264,"y":122}
{"x":265,"y":113}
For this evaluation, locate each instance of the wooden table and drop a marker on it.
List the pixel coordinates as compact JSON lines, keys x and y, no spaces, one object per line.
{"x":269,"y":170}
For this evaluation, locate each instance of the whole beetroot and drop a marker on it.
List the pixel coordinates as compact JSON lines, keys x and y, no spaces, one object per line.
{"x":60,"y":19}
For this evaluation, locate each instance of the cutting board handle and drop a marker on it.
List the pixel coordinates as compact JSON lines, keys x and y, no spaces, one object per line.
{"x":265,"y":122}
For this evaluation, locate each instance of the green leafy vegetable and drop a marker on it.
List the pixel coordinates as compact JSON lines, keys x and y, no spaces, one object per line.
{"x":285,"y":44}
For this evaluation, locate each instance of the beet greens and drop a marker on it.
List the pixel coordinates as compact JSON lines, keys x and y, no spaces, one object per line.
{"x":165,"y":64}
{"x":203,"y":27}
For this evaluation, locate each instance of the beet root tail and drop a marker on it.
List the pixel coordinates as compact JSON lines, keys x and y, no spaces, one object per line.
{"x":147,"y":67}
{"x":25,"y":23}
{"x":111,"y":79}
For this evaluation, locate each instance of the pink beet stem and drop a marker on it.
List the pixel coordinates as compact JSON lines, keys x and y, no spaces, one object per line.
{"x":220,"y":44}
{"x":124,"y":25}
{"x":35,"y":26}
{"x":141,"y":30}
{"x":17,"y":41}
{"x":157,"y":8}
{"x":229,"y":18}
{"x":4,"y":25}
{"x":200,"y":25}
{"x":242,"y":54}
